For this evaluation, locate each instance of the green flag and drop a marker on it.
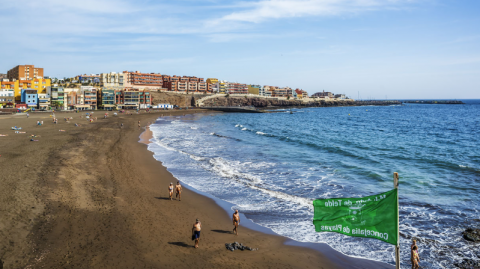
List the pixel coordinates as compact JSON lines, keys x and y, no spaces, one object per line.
{"x":373,"y":216}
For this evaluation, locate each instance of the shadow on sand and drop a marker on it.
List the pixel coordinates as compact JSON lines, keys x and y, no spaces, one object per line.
{"x":181,"y":244}
{"x":163,"y":198}
{"x":222,"y":231}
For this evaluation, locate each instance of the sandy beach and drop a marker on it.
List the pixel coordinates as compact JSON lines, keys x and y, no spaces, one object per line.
{"x":93,"y":197}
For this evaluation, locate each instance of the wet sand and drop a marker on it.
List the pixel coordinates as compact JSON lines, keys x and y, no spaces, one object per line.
{"x":93,"y":197}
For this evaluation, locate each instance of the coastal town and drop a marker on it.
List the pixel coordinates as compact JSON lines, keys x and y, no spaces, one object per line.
{"x":26,"y":87}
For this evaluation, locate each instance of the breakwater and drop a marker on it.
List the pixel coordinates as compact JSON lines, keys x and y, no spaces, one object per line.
{"x":444,"y":102}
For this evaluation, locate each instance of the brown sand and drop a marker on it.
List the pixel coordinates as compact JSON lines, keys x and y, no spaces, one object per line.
{"x":93,"y":197}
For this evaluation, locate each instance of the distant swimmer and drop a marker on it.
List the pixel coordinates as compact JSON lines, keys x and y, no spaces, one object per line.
{"x":236,"y":221}
{"x":197,"y":227}
{"x":178,"y":190}
{"x":170,"y":190}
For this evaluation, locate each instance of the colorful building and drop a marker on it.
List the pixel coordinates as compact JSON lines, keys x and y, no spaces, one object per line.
{"x":254,"y":89}
{"x":7,"y":98}
{"x":40,"y":85}
{"x":137,"y":80}
{"x":29,"y":97}
{"x":25,"y":72}
{"x":112,"y":79}
{"x":57,"y":95}
{"x":212,"y":80}
{"x":236,"y":88}
{"x":43,"y":101}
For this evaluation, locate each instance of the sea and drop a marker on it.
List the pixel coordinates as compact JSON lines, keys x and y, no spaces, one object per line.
{"x":271,"y":167}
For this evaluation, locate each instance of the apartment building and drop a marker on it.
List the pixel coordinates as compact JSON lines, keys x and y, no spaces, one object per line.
{"x":134,"y":99}
{"x":236,"y":88}
{"x":202,"y":87}
{"x":150,"y":81}
{"x":106,"y":98}
{"x":222,"y":86}
{"x":301,"y":94}
{"x":192,"y":86}
{"x":43,"y":101}
{"x":254,"y":89}
{"x":323,"y":94}
{"x":268,"y":91}
{"x":7,"y":98}
{"x":92,"y":78}
{"x":182,"y":86}
{"x":25,"y":72}
{"x":212,"y":87}
{"x":29,"y":97}
{"x":57,"y":95}
{"x":89,"y":95}
{"x":112,"y":79}
{"x":40,"y":85}
{"x":212,"y":80}
{"x":3,"y":76}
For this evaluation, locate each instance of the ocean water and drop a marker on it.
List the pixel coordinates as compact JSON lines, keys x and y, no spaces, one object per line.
{"x":272,"y":166}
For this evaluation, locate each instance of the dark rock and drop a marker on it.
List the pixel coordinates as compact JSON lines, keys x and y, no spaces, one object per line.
{"x":468,"y":264}
{"x":472,"y":234}
{"x":274,"y":102}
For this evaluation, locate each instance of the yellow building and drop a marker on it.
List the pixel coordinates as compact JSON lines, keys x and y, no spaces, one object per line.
{"x":222,"y":86}
{"x":212,"y":80}
{"x":40,"y":85}
{"x":254,"y":89}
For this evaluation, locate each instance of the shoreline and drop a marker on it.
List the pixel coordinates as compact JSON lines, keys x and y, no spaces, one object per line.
{"x":340,"y":259}
{"x":92,"y":197}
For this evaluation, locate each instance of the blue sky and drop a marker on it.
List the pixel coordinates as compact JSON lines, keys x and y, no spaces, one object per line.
{"x":372,"y":48}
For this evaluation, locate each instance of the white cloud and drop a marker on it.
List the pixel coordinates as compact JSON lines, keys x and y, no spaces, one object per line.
{"x":263,"y":10}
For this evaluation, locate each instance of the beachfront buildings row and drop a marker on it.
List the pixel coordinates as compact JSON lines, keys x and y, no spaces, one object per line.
{"x":82,"y":98}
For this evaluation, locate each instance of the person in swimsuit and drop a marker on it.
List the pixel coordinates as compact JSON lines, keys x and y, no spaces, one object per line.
{"x":178,"y":190}
{"x":236,"y":221}
{"x":170,"y":190}
{"x":197,"y":227}
{"x":414,"y":257}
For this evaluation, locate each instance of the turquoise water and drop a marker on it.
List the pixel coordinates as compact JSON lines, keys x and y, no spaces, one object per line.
{"x":272,"y":166}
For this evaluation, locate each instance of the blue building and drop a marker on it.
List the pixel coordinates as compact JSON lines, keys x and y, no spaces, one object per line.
{"x":29,"y":97}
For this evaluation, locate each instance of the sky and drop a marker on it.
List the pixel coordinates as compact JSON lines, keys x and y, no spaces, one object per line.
{"x":367,"y":49}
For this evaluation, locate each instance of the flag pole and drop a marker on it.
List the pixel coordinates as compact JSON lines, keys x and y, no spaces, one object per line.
{"x":397,"y":247}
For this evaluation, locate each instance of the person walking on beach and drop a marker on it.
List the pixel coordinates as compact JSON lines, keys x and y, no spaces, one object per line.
{"x":170,"y":190}
{"x":236,"y":221}
{"x":178,"y":190}
{"x":138,"y":124}
{"x":414,"y":254}
{"x":414,"y":257}
{"x":197,"y":227}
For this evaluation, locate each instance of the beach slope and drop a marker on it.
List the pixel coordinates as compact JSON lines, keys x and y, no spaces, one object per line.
{"x":93,"y":197}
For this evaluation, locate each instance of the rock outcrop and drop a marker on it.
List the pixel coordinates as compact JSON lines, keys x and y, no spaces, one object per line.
{"x":472,"y":234}
{"x":272,"y":102}
{"x":176,"y":99}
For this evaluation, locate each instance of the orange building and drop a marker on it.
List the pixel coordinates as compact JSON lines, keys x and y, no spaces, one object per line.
{"x":25,"y":72}
{"x":149,"y":81}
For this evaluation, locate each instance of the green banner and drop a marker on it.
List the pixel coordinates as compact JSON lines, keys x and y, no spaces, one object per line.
{"x":373,"y":216}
